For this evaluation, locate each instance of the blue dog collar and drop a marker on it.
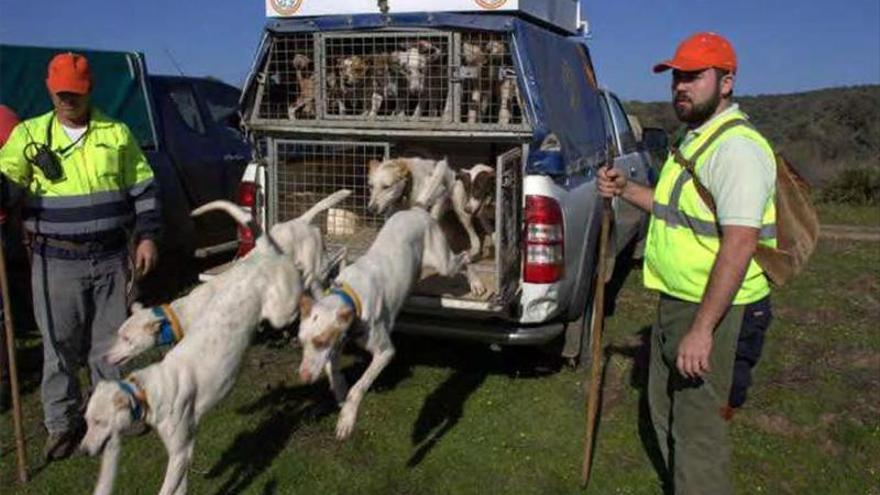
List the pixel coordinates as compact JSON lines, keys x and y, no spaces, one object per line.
{"x":167,"y":334}
{"x":348,"y":296}
{"x":136,"y":410}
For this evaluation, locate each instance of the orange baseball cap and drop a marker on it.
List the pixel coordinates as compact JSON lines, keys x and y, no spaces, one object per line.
{"x":69,"y":72}
{"x":701,"y":51}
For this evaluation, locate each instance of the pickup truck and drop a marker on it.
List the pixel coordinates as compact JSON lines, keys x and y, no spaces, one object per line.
{"x":513,"y":87}
{"x":186,"y":126}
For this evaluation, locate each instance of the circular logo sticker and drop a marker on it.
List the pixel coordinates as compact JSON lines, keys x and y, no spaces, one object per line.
{"x":286,"y":7}
{"x":490,"y":4}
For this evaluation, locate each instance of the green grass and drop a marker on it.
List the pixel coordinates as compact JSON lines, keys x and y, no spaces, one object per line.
{"x":455,"y":418}
{"x":842,"y":214}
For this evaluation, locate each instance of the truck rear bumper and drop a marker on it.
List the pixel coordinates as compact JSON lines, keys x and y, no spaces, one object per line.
{"x":490,"y":331}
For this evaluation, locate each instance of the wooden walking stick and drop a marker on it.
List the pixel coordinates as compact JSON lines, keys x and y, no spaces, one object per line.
{"x":13,"y":369}
{"x":598,"y":322}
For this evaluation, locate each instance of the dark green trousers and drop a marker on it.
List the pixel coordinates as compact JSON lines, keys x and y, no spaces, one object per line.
{"x":692,"y":435}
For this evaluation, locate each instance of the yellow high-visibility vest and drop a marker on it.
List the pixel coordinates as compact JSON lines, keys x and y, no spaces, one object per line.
{"x":683,"y":234}
{"x":106,"y":179}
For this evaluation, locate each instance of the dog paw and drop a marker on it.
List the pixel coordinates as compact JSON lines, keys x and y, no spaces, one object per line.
{"x":345,"y":424}
{"x":477,"y":287}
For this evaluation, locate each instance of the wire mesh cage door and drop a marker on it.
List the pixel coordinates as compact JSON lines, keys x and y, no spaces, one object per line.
{"x":508,"y":222}
{"x":388,"y":76}
{"x":306,"y":171}
{"x":287,"y":82}
{"x":490,"y":94}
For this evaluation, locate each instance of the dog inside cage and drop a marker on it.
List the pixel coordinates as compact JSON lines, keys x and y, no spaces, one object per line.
{"x":387,"y":76}
{"x":288,"y":80}
{"x":490,"y":93}
{"x":451,"y":78}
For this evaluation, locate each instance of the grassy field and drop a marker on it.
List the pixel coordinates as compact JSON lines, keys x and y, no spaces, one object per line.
{"x":456,"y":418}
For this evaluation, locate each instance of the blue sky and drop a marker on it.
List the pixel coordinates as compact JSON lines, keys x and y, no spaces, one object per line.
{"x":783,"y":45}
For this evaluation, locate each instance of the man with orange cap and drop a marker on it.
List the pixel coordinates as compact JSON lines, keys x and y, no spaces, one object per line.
{"x":711,"y":208}
{"x":89,"y":191}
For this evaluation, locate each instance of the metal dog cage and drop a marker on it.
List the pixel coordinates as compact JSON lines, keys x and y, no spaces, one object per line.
{"x":428,"y":79}
{"x":305,"y":171}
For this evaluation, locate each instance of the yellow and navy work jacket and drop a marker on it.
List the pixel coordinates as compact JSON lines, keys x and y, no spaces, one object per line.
{"x":107,"y":189}
{"x":683,"y":234}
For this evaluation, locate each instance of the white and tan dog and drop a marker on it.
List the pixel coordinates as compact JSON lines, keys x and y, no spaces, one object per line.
{"x":173,"y":395}
{"x":367,"y":297}
{"x":472,"y":193}
{"x":396,"y":182}
{"x":297,"y":238}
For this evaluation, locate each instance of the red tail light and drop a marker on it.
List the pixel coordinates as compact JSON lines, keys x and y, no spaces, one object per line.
{"x":544,"y":260}
{"x":247,"y":194}
{"x":246,"y":198}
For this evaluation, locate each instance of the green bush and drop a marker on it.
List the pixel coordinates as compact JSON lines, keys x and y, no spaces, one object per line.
{"x":855,"y":186}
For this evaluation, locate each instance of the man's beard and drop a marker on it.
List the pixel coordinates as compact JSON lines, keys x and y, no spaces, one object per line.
{"x":698,"y":112}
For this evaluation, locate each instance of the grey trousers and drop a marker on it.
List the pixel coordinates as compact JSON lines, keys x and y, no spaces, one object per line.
{"x":79,"y":305}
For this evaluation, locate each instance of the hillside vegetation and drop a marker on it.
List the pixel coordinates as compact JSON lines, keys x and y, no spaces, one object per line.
{"x":822,"y":132}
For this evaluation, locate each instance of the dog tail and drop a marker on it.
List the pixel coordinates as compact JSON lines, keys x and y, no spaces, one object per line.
{"x":324,"y":204}
{"x":109,"y":462}
{"x":238,"y":214}
{"x":432,"y":189}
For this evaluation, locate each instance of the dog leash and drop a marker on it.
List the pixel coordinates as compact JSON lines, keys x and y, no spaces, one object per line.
{"x":136,"y":397}
{"x":170,"y":331}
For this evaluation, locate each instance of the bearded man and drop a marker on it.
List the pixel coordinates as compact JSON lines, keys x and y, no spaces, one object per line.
{"x":712,"y":206}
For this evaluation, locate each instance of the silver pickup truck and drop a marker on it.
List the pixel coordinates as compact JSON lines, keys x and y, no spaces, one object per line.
{"x":326,"y":96}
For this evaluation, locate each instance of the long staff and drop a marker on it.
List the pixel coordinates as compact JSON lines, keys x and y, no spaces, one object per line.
{"x":13,"y":369}
{"x":597,"y":324}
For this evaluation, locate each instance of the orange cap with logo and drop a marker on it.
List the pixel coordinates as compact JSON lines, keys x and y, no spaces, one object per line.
{"x":69,"y":72}
{"x":699,"y":52}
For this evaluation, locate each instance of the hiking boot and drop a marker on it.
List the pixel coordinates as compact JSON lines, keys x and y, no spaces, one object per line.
{"x":61,"y":445}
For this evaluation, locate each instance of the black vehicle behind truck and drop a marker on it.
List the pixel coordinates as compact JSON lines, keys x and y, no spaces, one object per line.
{"x":187,"y":129}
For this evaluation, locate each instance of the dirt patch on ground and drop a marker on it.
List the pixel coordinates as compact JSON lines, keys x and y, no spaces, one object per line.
{"x":777,"y":424}
{"x":850,"y":232}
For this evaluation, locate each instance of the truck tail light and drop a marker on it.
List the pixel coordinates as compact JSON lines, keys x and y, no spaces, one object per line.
{"x":247,"y":199}
{"x":544,"y":241}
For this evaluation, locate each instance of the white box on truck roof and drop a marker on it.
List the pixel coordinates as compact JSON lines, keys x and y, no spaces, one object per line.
{"x":563,"y":14}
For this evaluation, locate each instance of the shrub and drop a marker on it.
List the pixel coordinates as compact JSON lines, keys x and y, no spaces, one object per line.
{"x":854,"y":185}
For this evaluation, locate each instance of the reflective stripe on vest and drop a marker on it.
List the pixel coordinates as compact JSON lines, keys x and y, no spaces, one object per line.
{"x":684,"y":236}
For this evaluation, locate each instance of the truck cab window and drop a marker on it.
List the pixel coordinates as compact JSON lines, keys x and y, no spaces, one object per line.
{"x":606,"y":117}
{"x":187,"y":108}
{"x":627,"y":137}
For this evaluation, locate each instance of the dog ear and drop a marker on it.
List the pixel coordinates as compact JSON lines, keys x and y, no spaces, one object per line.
{"x":483,"y":185}
{"x":372,"y":165}
{"x":345,"y":316}
{"x":120,"y":401}
{"x":305,"y":306}
{"x":136,"y":306}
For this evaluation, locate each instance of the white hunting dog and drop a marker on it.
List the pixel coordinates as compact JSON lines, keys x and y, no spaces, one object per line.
{"x":367,"y":298}
{"x":173,"y":394}
{"x":166,"y":324}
